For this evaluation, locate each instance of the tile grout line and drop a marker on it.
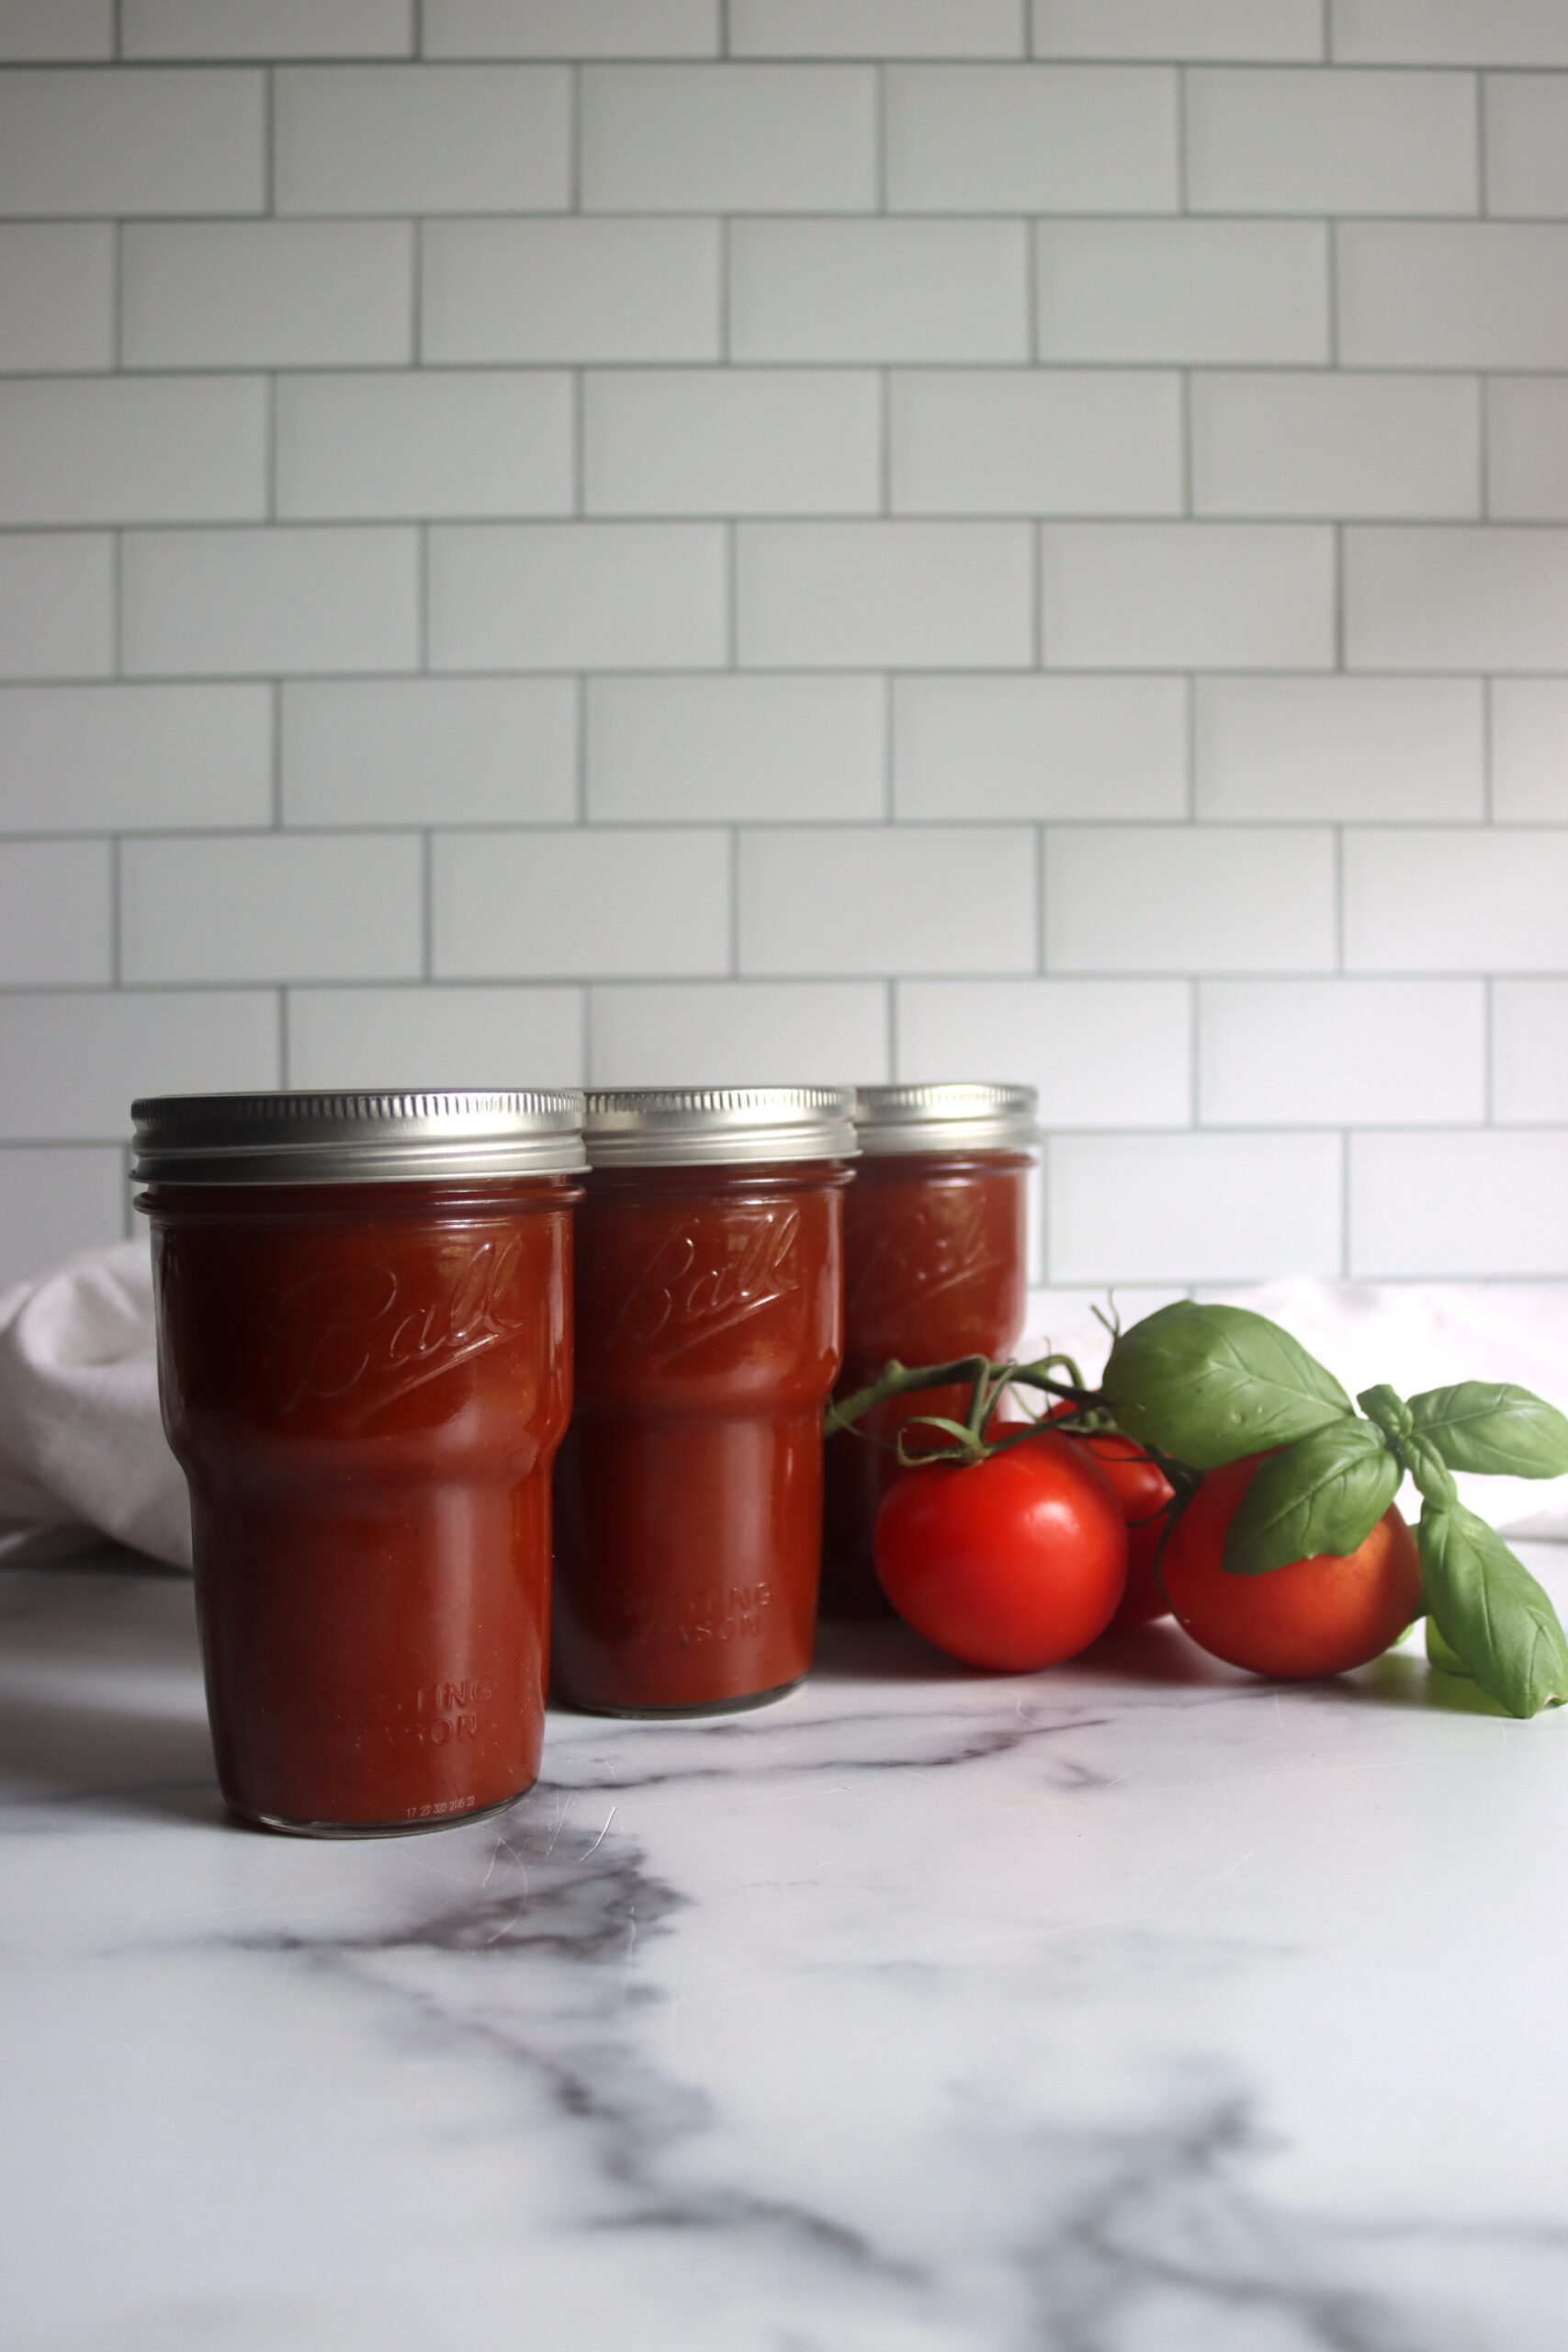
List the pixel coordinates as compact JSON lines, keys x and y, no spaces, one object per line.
{"x":1194,"y":1055}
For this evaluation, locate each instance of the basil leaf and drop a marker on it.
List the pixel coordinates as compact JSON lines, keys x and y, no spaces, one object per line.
{"x":1324,"y":1494}
{"x":1440,"y":1655}
{"x":1489,"y":1425}
{"x":1491,"y":1612}
{"x":1208,"y":1384}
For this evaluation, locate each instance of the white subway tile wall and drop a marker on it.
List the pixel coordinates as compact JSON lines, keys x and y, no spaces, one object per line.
{"x":627,"y":540}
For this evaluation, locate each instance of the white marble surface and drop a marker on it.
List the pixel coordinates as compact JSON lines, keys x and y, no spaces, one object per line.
{"x":1136,"y":2007}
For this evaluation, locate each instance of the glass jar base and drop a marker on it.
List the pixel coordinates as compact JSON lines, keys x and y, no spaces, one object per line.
{"x":282,"y":1827}
{"x":701,"y":1707}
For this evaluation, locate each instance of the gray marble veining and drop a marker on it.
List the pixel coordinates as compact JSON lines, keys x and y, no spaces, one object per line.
{"x":1140,"y":2006}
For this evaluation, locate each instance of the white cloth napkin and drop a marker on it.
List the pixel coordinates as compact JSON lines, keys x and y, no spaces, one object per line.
{"x":82,"y":1453}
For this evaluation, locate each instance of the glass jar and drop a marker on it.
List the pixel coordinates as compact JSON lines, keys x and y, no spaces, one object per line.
{"x":710,"y":1324}
{"x":365,"y":1358}
{"x":935,"y":1267}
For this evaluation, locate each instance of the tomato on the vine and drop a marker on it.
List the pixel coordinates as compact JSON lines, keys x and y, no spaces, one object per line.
{"x":1146,"y":1494}
{"x":1313,"y":1617}
{"x":1013,"y":1563}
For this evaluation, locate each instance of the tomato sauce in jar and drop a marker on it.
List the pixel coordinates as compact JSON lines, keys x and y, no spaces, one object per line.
{"x":365,"y":1360}
{"x":709,"y":1326}
{"x":935,"y":1267}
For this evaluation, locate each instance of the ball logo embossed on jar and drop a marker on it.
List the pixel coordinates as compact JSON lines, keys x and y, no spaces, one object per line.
{"x":689,"y":1294}
{"x":378,"y":1328}
{"x":937,"y":1245}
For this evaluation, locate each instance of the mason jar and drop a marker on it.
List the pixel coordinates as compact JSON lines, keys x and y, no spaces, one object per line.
{"x":709,"y":1293}
{"x":935,"y":1267}
{"x":363,"y":1317}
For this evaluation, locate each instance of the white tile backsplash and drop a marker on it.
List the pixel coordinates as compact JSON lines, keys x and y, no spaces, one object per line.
{"x":572,"y":28}
{"x":738,"y":1032}
{"x":1026,"y":440}
{"x":1032,"y":139}
{"x":429,"y":751}
{"x":1529,"y":1051}
{"x":1188,"y":596}
{"x":266,"y":27}
{"x":1231,"y":292}
{"x":268,"y":293}
{"x":54,"y":1202}
{"x":446,"y":442}
{"x":1280,"y":140}
{"x":878,"y":290}
{"x":1038,"y":747}
{"x":1319,"y":1052}
{"x":729,"y":139}
{"x":736,"y":749}
{"x":534,"y":291}
{"x":431,"y":1037}
{"x":1291,"y":442}
{"x":37,"y":30}
{"x":1436,"y":1206}
{"x":91,"y":140}
{"x":570,"y":904}
{"x":260,"y":602}
{"x":732,"y":441}
{"x":1448,"y":32}
{"x":421,"y":139}
{"x":1530,"y":750}
{"x":893,"y":596}
{"x":878,"y":898}
{"x":1455,"y":900}
{"x":1527,"y":145}
{"x":1203,"y":1208}
{"x":1102,"y":1053}
{"x":560,"y":538}
{"x":72,"y":1059}
{"x":578,"y":596}
{"x":1178,"y":29}
{"x":1188,"y":898}
{"x":103,"y":758}
{"x":1527,"y":448}
{"x":1354,"y":751}
{"x":57,"y":604}
{"x":133,"y":449}
{"x":56,"y":913}
{"x":1452,"y":294}
{"x":57,"y":294}
{"x":1456,"y":599}
{"x":878,"y":27}
{"x":272,"y":906}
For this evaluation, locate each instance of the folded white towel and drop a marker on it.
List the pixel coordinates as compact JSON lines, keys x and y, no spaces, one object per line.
{"x":82,"y":1449}
{"x":82,"y":1453}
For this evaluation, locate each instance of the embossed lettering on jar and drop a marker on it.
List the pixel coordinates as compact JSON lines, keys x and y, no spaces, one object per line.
{"x":364,"y":1316}
{"x":935,"y":1267}
{"x":709,"y":1320}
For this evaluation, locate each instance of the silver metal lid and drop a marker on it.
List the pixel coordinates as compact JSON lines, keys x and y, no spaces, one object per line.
{"x":394,"y":1138}
{"x":684,"y":1126}
{"x":956,"y":1117}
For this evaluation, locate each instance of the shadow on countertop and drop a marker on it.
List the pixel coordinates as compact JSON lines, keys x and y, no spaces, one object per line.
{"x":101,"y":1703}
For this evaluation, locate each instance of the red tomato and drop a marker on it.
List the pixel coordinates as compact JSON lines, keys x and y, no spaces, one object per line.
{"x":1317,"y":1616}
{"x":1145,"y":1494}
{"x":1013,"y":1563}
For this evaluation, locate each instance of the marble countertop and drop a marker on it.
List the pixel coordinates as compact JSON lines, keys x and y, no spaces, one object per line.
{"x":1140,"y":2006}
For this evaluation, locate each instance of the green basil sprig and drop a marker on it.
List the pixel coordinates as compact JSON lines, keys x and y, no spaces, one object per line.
{"x":1208,"y":1384}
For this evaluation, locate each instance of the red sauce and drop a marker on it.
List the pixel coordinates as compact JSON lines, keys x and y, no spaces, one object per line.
{"x":934,"y":1267}
{"x":689,"y":1489}
{"x":365,"y":1386}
